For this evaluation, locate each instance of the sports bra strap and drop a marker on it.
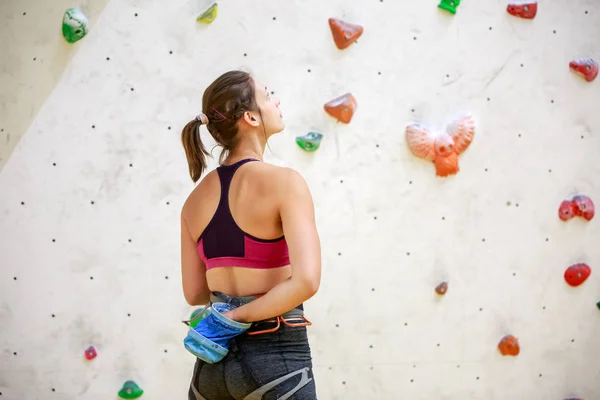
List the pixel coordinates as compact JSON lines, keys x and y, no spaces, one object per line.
{"x":226,"y":173}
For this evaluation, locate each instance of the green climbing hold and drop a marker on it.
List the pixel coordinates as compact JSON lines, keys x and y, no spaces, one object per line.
{"x":449,"y":5}
{"x":598,"y":304}
{"x":74,"y":25}
{"x":194,"y":322}
{"x":130,"y":390}
{"x":309,"y":142}
{"x":209,"y":15}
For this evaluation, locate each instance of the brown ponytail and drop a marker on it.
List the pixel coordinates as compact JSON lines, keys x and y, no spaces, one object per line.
{"x":195,"y":151}
{"x":224,"y":102}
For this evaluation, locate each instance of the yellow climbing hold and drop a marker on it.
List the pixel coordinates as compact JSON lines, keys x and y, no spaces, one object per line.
{"x":209,"y":15}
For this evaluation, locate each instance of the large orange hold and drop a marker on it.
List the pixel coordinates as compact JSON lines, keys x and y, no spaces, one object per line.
{"x":342,"y":108}
{"x":344,"y":33}
{"x":442,"y":147}
{"x":509,"y":346}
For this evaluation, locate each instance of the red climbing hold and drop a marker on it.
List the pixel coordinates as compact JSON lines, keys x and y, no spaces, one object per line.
{"x":344,"y":33}
{"x":586,"y":67}
{"x":584,"y":207}
{"x":90,"y":353}
{"x":342,"y":108}
{"x":509,"y":346}
{"x":579,"y":206}
{"x":566,"y":210}
{"x":576,"y":274}
{"x":524,"y":9}
{"x":442,"y":288}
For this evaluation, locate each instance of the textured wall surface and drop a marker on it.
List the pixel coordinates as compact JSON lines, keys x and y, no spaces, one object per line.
{"x":33,"y":57}
{"x":90,"y":197}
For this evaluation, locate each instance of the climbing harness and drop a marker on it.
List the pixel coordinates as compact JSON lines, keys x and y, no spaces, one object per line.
{"x":292,"y":318}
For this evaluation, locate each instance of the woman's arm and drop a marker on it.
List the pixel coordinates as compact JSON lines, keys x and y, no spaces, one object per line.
{"x":193,"y":270}
{"x":296,"y":210}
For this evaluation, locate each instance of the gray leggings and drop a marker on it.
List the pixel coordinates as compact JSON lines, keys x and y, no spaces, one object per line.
{"x":276,"y":365}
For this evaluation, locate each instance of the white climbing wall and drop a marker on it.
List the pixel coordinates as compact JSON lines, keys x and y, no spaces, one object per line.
{"x":33,"y":57}
{"x":91,"y":195}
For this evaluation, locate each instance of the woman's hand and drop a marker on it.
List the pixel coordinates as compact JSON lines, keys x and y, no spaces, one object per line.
{"x":231,"y":315}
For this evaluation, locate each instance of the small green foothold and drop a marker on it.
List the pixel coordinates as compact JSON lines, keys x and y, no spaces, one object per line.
{"x":74,"y":25}
{"x":130,"y":390}
{"x":194,"y":322}
{"x":209,"y":15}
{"x":309,"y":142}
{"x":449,"y":5}
{"x":598,"y":304}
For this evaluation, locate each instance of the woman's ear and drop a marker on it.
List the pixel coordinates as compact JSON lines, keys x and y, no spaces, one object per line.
{"x":250,"y":118}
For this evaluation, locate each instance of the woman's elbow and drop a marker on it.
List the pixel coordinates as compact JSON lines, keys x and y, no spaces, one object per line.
{"x":310,"y":284}
{"x":195,"y":299}
{"x":190,"y":300}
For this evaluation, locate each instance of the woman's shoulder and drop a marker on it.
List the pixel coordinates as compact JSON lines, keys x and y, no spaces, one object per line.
{"x":205,"y":187}
{"x":268,"y":178}
{"x":281,"y":176}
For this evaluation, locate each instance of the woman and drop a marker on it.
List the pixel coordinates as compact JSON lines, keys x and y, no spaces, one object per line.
{"x":248,"y":236}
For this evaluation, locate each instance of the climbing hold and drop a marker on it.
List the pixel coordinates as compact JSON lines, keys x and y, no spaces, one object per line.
{"x":194,"y":322}
{"x":442,"y":148}
{"x":74,"y":25}
{"x":522,"y":8}
{"x":576,"y":274}
{"x":209,"y":14}
{"x":344,"y":33}
{"x":566,"y":211}
{"x":584,"y":207}
{"x":442,"y":288}
{"x":90,"y":353}
{"x":579,"y":206}
{"x":509,"y":346}
{"x":342,"y":108}
{"x":309,"y":142}
{"x":449,"y":5}
{"x":598,"y":305}
{"x":586,"y":67}
{"x":130,"y":390}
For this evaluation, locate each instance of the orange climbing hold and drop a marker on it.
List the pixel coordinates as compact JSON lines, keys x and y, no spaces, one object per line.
{"x":509,"y":346}
{"x":446,"y":166}
{"x":443,"y":148}
{"x":344,"y":33}
{"x":523,"y":8}
{"x":442,"y":288}
{"x":342,"y":108}
{"x":576,"y":274}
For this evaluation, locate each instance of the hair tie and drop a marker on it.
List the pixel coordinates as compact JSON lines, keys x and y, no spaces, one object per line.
{"x":202,"y":118}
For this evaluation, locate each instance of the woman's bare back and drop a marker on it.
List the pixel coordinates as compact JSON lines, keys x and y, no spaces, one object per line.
{"x":254,"y":206}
